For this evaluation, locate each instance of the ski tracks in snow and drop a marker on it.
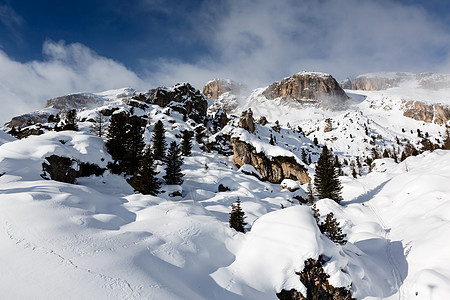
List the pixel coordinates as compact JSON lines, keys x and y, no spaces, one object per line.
{"x":395,"y":268}
{"x":111,"y":283}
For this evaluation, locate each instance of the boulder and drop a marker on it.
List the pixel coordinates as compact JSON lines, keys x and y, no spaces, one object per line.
{"x":246,"y":121}
{"x":274,"y":170}
{"x":65,"y":169}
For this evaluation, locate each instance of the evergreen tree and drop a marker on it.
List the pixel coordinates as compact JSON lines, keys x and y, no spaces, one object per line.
{"x":145,"y":181}
{"x":173,"y":162}
{"x":135,"y":144}
{"x":70,"y":123}
{"x":354,"y":172}
{"x":403,"y":156}
{"x":186,"y":143}
{"x":304,"y":156}
{"x":199,"y":133}
{"x":237,"y":217}
{"x":338,"y":166}
{"x":98,"y":127}
{"x":310,"y":193}
{"x":117,"y":136}
{"x":446,"y":145}
{"x":159,"y":140}
{"x":330,"y":228}
{"x":326,"y":179}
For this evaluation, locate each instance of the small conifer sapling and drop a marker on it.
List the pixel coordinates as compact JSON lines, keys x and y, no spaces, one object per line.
{"x":237,"y":217}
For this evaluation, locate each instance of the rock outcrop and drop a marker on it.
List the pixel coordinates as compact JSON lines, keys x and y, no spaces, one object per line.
{"x":216,"y":87}
{"x":182,"y":98}
{"x":346,"y":84}
{"x":246,"y":121}
{"x":374,"y":83}
{"x":75,"y":101}
{"x":383,"y":81}
{"x":66,"y":169}
{"x":275,"y":169}
{"x":306,"y":86}
{"x":430,"y":113}
{"x":316,"y":282}
{"x":28,"y":119}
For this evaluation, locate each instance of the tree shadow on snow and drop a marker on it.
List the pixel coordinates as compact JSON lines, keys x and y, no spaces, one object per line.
{"x":368,"y":194}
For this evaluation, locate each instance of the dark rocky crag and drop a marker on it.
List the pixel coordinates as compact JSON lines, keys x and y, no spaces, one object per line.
{"x":316,"y":282}
{"x":182,"y":98}
{"x":306,"y":86}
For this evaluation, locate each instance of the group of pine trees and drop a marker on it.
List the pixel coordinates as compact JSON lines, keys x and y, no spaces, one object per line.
{"x":125,"y":143}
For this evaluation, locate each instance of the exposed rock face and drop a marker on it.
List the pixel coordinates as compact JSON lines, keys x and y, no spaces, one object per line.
{"x":383,"y":81}
{"x":374,"y":83}
{"x":246,"y":121}
{"x":316,"y":282}
{"x":182,"y":98}
{"x":65,"y":169}
{"x":329,"y":125}
{"x":28,"y":119}
{"x":217,"y":87}
{"x":346,"y":84}
{"x":75,"y":101}
{"x":273,"y":170}
{"x":220,"y":119}
{"x":306,"y":86}
{"x":430,"y":113}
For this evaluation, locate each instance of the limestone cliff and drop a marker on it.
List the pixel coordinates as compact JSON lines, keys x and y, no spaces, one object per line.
{"x":430,"y":113}
{"x":216,"y":87}
{"x":306,"y":86}
{"x":274,"y":170}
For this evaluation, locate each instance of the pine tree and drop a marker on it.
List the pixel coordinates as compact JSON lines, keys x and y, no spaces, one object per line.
{"x":330,"y":228}
{"x":310,"y":193}
{"x":70,"y":123}
{"x":354,"y":172}
{"x":98,"y":127}
{"x":159,"y":140}
{"x":173,"y":162}
{"x":186,"y":143}
{"x":446,"y":145}
{"x":326,"y":179}
{"x":117,"y":136}
{"x":135,"y":144}
{"x":145,"y":180}
{"x":199,"y":133}
{"x":304,"y":156}
{"x":237,"y":217}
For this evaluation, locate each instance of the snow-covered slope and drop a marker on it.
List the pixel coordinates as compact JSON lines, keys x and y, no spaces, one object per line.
{"x":99,"y":239}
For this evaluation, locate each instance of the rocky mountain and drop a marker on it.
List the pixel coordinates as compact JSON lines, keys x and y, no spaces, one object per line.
{"x":306,"y":86}
{"x":383,"y":81}
{"x":216,"y":87}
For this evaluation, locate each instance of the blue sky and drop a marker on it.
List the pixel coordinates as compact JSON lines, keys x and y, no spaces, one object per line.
{"x":59,"y":47}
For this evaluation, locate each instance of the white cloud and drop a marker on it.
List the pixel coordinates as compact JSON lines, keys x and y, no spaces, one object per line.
{"x":260,"y":41}
{"x":66,"y":69}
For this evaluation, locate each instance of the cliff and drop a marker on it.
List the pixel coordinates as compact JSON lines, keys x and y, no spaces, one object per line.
{"x":306,"y":86}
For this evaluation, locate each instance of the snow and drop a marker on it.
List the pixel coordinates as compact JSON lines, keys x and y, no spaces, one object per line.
{"x":99,"y":239}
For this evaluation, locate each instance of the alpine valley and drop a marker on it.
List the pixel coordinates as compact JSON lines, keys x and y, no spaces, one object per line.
{"x":77,"y":220}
